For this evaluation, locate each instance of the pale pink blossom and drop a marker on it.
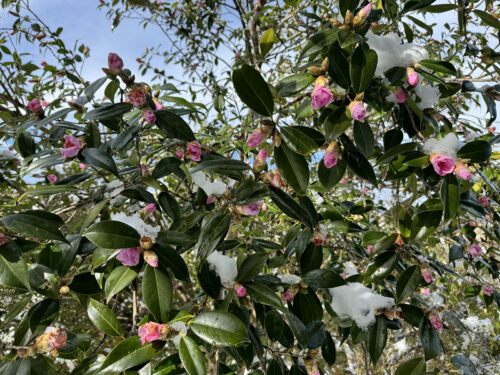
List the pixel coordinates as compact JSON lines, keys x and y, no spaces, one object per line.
{"x":462,"y":171}
{"x":484,"y":200}
{"x":57,"y":338}
{"x":427,"y":275}
{"x":436,"y":322}
{"x":151,"y":208}
{"x":115,"y":63}
{"x":194,"y":151}
{"x":159,"y":106}
{"x":252,"y":209}
{"x":137,"y":96}
{"x":287,"y":296}
{"x":52,"y":178}
{"x":369,"y":249}
{"x":318,"y":239}
{"x":82,"y":166}
{"x":151,"y":258}
{"x":425,"y":291}
{"x":149,"y":116}
{"x":331,"y":156}
{"x":487,"y":290}
{"x":129,"y":257}
{"x":210,"y":199}
{"x":71,"y":147}
{"x":44,"y":104}
{"x":400,"y":95}
{"x":35,"y":106}
{"x":321,"y":96}
{"x":358,"y":110}
{"x":412,"y":76}
{"x":475,"y":250}
{"x":179,"y":153}
{"x":343,"y":181}
{"x":472,"y":223}
{"x":264,"y":207}
{"x":255,"y":138}
{"x":150,"y":332}
{"x":240,"y":290}
{"x":442,"y":164}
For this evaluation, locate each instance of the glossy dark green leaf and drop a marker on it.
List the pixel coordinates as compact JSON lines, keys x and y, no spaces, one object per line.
{"x":264,"y":295}
{"x":430,"y":340}
{"x":464,"y":364}
{"x":439,"y":66}
{"x":297,"y":140}
{"x":173,"y":126}
{"x":40,"y":224}
{"x":249,"y":192}
{"x":111,"y":234}
{"x":299,"y":329}
{"x":362,"y":68}
{"x":213,"y":228}
{"x":251,"y":267}
{"x":455,"y":253}
{"x":339,"y":66}
{"x":169,"y":204}
{"x":307,"y":307}
{"x":363,"y":136}
{"x":253,"y":90}
{"x":99,"y":159}
{"x":43,"y":314}
{"x":475,"y":151}
{"x":293,"y":168}
{"x":166,"y":166}
{"x":219,"y":328}
{"x":450,"y":196}
{"x":168,"y":258}
{"x":323,"y":278}
{"x":25,"y":144}
{"x":381,"y":266}
{"x":357,"y":162}
{"x":376,"y":339}
{"x":329,"y":177}
{"x":318,"y":43}
{"x":91,"y":89}
{"x":221,"y":164}
{"x":108,"y":111}
{"x":408,"y":282}
{"x":20,"y":366}
{"x":103,"y":318}
{"x":192,"y":357}
{"x":412,"y":5}
{"x":487,"y":18}
{"x":294,"y":84}
{"x":85,"y":283}
{"x":121,"y":141}
{"x":118,"y":279}
{"x":157,"y":292}
{"x":328,"y":350}
{"x":414,"y":366}
{"x":274,"y":325}
{"x":14,"y":274}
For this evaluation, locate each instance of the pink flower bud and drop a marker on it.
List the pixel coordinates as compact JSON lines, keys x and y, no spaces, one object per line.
{"x":179,"y":153}
{"x":149,"y":116}
{"x":150,"y":332}
{"x":82,"y":166}
{"x":264,"y":207}
{"x":436,"y":322}
{"x":194,"y":151}
{"x":369,"y":249}
{"x":52,"y":178}
{"x":412,"y":76}
{"x":255,"y":138}
{"x":287,"y":296}
{"x":425,"y":291}
{"x":484,"y":200}
{"x":492,"y":129}
{"x":86,"y":50}
{"x":475,"y":250}
{"x":35,"y":106}
{"x":240,"y":290}
{"x":400,"y":95}
{"x":427,"y":275}
{"x":151,"y":208}
{"x":318,"y":239}
{"x":462,"y":171}
{"x":358,"y":110}
{"x":331,"y":156}
{"x":472,"y":223}
{"x":343,"y":181}
{"x":129,"y":257}
{"x":262,"y":155}
{"x":158,"y":106}
{"x":115,"y":63}
{"x":487,"y":290}
{"x":151,"y":258}
{"x":252,"y":209}
{"x":321,"y":96}
{"x":71,"y":147}
{"x":260,"y":161}
{"x":137,"y":96}
{"x":210,"y":199}
{"x":442,"y":164}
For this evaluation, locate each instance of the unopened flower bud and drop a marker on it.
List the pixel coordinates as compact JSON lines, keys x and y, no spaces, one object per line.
{"x":146,"y":243}
{"x":276,"y":138}
{"x":314,"y":70}
{"x":64,"y":289}
{"x":318,"y":239}
{"x":412,"y":76}
{"x":349,"y":17}
{"x":260,"y":161}
{"x":324,"y":65}
{"x":331,"y":156}
{"x":362,"y":15}
{"x":151,"y":258}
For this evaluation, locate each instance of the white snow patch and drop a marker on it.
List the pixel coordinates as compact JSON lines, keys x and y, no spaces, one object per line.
{"x":350,"y":269}
{"x":136,"y":222}
{"x":448,"y":145}
{"x":401,"y":346}
{"x":210,"y":188}
{"x":429,"y":95}
{"x":291,"y":279}
{"x":224,"y":266}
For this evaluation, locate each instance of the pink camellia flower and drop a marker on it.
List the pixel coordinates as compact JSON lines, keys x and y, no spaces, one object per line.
{"x":158,"y":106}
{"x":425,"y":291}
{"x":57,"y":338}
{"x":318,"y":239}
{"x":255,"y":138}
{"x":44,"y":104}
{"x":71,"y":147}
{"x":252,"y":209}
{"x":52,"y":178}
{"x":82,"y":166}
{"x":412,"y":76}
{"x":472,"y":224}
{"x":487,"y":290}
{"x":462,"y":171}
{"x":442,"y":164}
{"x":35,"y":106}
{"x":321,"y":96}
{"x":358,"y":110}
{"x":400,"y":95}
{"x":151,"y":208}
{"x":484,"y":200}
{"x":475,"y":250}
{"x":331,"y":156}
{"x":137,"y":96}
{"x":492,"y":129}
{"x":151,"y":258}
{"x":343,"y":181}
{"x":262,"y":155}
{"x":179,"y":153}
{"x":369,"y":249}
{"x":150,"y":332}
{"x":129,"y":257}
{"x":287,"y":296}
{"x":264,"y":207}
{"x":3,"y":239}
{"x":149,"y":116}
{"x":210,"y":199}
{"x":436,"y":322}
{"x":194,"y":151}
{"x":427,"y":275}
{"x":115,"y":63}
{"x":240,"y":290}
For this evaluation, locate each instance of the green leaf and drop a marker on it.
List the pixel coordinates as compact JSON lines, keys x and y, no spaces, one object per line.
{"x":299,"y":329}
{"x":103,"y":318}
{"x":407,"y":282}
{"x":21,"y":366}
{"x":297,"y":140}
{"x":339,"y":66}
{"x":329,"y":177}
{"x":381,"y":266}
{"x":318,"y":43}
{"x":292,"y":167}
{"x":157,"y":291}
{"x":108,"y":111}
{"x":363,"y":136}
{"x":221,"y":164}
{"x":363,"y":66}
{"x":112,"y":235}
{"x":274,"y":324}
{"x":414,"y":366}
{"x":430,"y":339}
{"x":40,"y":224}
{"x":118,"y":280}
{"x":219,"y":103}
{"x":85,"y":283}
{"x":43,"y":314}
{"x":264,"y":295}
{"x":290,"y":206}
{"x":464,"y":364}
{"x":169,"y":259}
{"x":390,"y":154}
{"x":328,"y":350}
{"x":488,"y":18}
{"x":323,"y":278}
{"x":166,"y":166}
{"x":266,"y":42}
{"x":455,"y":253}
{"x":253,"y":90}
{"x":376,"y":339}
{"x":250,"y":191}
{"x":251,"y":266}
{"x":450,"y":196}
{"x":357,"y":162}
{"x":169,"y":205}
{"x":123,"y":139}
{"x":173,"y":126}
{"x":213,"y":228}
{"x":49,"y":190}
{"x":294,"y":84}
{"x":476,"y":151}
{"x":91,"y":89}
{"x":412,"y":5}
{"x":219,"y":328}
{"x":99,"y":159}
{"x":14,"y":274}
{"x":439,"y":66}
{"x":192,"y":357}
{"x":127,"y":354}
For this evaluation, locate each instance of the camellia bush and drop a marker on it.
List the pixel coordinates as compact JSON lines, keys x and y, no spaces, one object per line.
{"x":318,"y":195}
